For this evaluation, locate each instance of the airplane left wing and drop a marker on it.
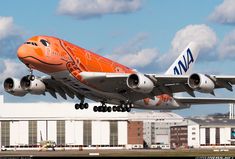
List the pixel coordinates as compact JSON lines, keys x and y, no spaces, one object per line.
{"x":195,"y":82}
{"x":161,"y":84}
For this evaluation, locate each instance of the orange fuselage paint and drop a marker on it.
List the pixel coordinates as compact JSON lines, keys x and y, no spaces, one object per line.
{"x":61,"y":55}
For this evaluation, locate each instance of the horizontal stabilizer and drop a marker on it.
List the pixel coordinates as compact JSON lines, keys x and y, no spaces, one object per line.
{"x":189,"y":100}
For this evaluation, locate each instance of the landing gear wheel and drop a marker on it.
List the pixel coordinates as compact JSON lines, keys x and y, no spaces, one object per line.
{"x":100,"y":109}
{"x":76,"y":106}
{"x":105,"y":108}
{"x":86,"y":105}
{"x":109,"y":109}
{"x":95,"y":108}
{"x":119,"y":108}
{"x":114,"y":108}
{"x":81,"y":106}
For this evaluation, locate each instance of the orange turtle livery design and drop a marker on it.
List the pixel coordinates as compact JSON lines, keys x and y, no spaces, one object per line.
{"x":73,"y":71}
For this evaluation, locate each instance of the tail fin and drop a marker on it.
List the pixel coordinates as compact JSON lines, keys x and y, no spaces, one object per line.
{"x":184,"y":63}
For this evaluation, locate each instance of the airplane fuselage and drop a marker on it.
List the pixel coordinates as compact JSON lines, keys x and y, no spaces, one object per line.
{"x":65,"y":61}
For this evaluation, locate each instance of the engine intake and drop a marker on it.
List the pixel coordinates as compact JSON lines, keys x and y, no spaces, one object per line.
{"x":201,"y":83}
{"x":33,"y":86}
{"x":12,"y":86}
{"x":140,"y":83}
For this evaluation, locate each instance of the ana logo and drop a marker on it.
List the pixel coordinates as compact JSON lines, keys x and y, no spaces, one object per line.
{"x":185,"y":64}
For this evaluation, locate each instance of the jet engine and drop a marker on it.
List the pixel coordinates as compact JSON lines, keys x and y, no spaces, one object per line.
{"x":140,"y":83}
{"x":12,"y":86}
{"x":33,"y":85}
{"x":201,"y":83}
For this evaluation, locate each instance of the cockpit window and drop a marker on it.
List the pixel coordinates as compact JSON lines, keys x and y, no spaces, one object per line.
{"x":31,"y":43}
{"x":44,"y":42}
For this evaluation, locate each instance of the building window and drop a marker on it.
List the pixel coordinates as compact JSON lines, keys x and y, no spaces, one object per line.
{"x":193,"y":128}
{"x":87,"y":132}
{"x":5,"y":131}
{"x":114,"y":133}
{"x":207,"y":136}
{"x":217,"y":136}
{"x":60,"y":126}
{"x":193,"y":138}
{"x":32,"y":132}
{"x":193,"y":133}
{"x":232,"y":133}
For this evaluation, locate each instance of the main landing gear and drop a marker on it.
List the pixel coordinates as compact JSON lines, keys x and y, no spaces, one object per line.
{"x":82,"y":105}
{"x":119,"y":108}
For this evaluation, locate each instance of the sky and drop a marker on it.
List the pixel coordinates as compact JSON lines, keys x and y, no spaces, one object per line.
{"x":143,"y":34}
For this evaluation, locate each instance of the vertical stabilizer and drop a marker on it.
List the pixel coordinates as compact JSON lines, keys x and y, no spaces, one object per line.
{"x":184,"y":63}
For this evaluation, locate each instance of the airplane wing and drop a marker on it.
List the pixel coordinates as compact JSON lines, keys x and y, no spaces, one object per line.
{"x":194,"y":101}
{"x":53,"y":86}
{"x":179,"y":83}
{"x":163,"y":84}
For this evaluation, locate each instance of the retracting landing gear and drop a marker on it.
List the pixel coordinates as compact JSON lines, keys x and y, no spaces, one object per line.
{"x":82,"y":105}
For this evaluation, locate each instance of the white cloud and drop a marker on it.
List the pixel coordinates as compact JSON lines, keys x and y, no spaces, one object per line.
{"x":84,"y":9}
{"x":133,"y":45}
{"x":203,"y":35}
{"x":10,"y":38}
{"x":224,"y":13}
{"x":132,"y":54}
{"x":141,"y":58}
{"x":226,"y":48}
{"x":6,"y":27}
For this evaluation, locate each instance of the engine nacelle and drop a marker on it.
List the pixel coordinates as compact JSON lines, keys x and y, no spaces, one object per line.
{"x":12,"y":86}
{"x":140,"y":83}
{"x":33,"y":86}
{"x":201,"y":83}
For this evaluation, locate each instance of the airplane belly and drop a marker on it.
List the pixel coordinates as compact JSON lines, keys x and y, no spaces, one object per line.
{"x":162,"y":102}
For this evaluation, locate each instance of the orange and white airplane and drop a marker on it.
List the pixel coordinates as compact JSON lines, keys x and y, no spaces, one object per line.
{"x":77,"y":72}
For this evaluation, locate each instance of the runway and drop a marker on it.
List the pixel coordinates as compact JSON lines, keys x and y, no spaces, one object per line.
{"x":117,"y":153}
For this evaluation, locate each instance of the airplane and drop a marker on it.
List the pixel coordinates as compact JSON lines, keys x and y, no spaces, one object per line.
{"x":77,"y":72}
{"x":45,"y":144}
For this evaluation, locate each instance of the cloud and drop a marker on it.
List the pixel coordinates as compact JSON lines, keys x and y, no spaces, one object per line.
{"x":140,"y":58}
{"x":133,"y":45}
{"x":10,"y":38}
{"x":226,"y":48}
{"x":224,"y":13}
{"x":132,"y":54}
{"x":203,"y":35}
{"x":85,"y":9}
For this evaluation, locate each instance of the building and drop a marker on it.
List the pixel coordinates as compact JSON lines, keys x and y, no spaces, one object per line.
{"x":24,"y":124}
{"x":156,"y":126}
{"x":204,"y":133}
{"x":135,"y":134}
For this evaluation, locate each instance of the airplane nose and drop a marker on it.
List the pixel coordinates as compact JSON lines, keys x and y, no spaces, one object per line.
{"x":21,"y":51}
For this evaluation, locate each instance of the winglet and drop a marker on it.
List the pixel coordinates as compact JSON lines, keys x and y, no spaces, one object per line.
{"x":184,"y":63}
